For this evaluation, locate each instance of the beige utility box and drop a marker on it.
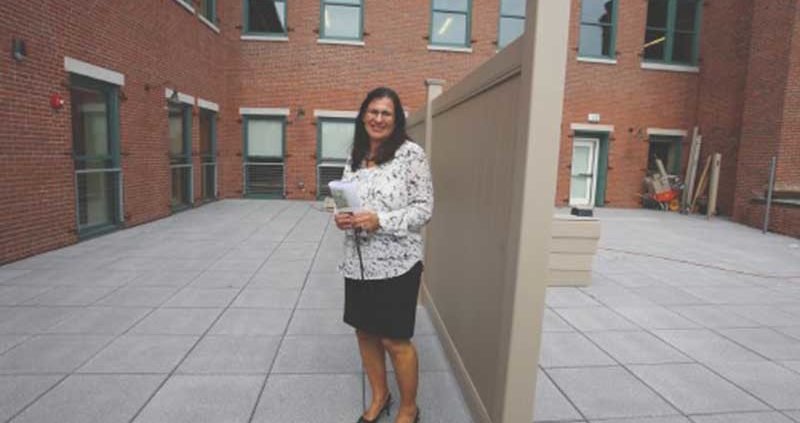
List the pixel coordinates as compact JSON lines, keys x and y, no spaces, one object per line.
{"x":572,"y":250}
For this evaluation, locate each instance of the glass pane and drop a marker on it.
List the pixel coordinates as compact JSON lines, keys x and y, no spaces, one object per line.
{"x":452,"y":5}
{"x":343,"y":22}
{"x":449,"y":28}
{"x":662,"y":149}
{"x":176,"y":129}
{"x":512,"y":7}
{"x":266,"y":16}
{"x":581,"y":160}
{"x":337,"y":140}
{"x":206,"y":135}
{"x":683,"y":48}
{"x":181,"y":178}
{"x":264,"y":138}
{"x":579,"y":188}
{"x":657,"y":13}
{"x":685,"y":17}
{"x":596,"y":11}
{"x":207,"y":9}
{"x":654,"y":42}
{"x":510,"y":29}
{"x":208,"y":177}
{"x":595,"y":41}
{"x":96,"y":196}
{"x":89,"y":123}
{"x":354,"y":2}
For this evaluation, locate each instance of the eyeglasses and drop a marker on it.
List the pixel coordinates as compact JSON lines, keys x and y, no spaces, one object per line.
{"x":374,"y":113}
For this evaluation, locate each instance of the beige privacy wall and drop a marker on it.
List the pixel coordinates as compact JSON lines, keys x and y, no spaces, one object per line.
{"x":493,"y":148}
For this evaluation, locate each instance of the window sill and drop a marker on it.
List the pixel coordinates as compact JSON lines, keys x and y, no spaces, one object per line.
{"x":273,"y":38}
{"x":597,"y":60}
{"x":432,"y":47}
{"x":189,"y":8}
{"x":208,"y":23}
{"x":670,"y":68}
{"x":341,"y":42}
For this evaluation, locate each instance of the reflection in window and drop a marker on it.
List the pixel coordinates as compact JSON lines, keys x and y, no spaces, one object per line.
{"x":672,"y":29}
{"x":266,"y":16}
{"x":598,"y":28}
{"x":450,"y":22}
{"x":341,"y":19}
{"x":334,"y":144}
{"x":512,"y":21}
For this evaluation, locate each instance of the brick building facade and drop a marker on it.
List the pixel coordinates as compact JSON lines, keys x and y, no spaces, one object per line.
{"x":238,"y":80}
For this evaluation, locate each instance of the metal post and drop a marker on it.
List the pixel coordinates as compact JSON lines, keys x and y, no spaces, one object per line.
{"x":769,"y":192}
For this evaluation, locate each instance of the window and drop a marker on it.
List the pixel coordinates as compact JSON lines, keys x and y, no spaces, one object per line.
{"x":265,"y":16}
{"x":264,"y":156}
{"x":598,"y":29}
{"x":208,"y":154}
{"x":208,"y":10}
{"x":342,"y":19}
{"x":334,"y":142}
{"x":180,"y":154}
{"x":450,"y":23}
{"x":672,"y":31}
{"x":512,"y":21}
{"x":666,"y":148}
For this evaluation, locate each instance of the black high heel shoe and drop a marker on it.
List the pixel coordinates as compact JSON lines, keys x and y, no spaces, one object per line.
{"x":387,"y":408}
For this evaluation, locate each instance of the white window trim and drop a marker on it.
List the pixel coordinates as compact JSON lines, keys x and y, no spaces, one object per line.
{"x":597,"y":60}
{"x":335,"y":114}
{"x":264,"y":111}
{"x":589,"y":127}
{"x":79,"y":67}
{"x":186,"y":6}
{"x":667,"y":132}
{"x":265,"y":37}
{"x":208,"y":23}
{"x":670,"y":68}
{"x":341,"y":42}
{"x":208,"y":105}
{"x":450,"y":49}
{"x":182,"y":97}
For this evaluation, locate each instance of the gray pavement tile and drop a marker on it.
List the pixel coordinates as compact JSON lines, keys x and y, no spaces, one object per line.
{"x":655,"y":318}
{"x":714,"y":317}
{"x":735,"y":295}
{"x":570,"y":349}
{"x":267,"y":298}
{"x":552,"y":322}
{"x":794,"y":365}
{"x":430,"y":354}
{"x":568,"y":297}
{"x":609,"y":392}
{"x":231,"y":355}
{"x":17,"y":294}
{"x":318,"y":354}
{"x":773,"y":384}
{"x":164,"y":278}
{"x":423,"y":323}
{"x":667,"y":295}
{"x":706,"y":346}
{"x":51,"y":354}
{"x":595,"y":319}
{"x":635,"y":279}
{"x":250,"y":321}
{"x":794,"y":415}
{"x":221,"y":279}
{"x":279,"y":278}
{"x":18,"y":391}
{"x":793,"y":331}
{"x":237,"y":265}
{"x":325,"y":281}
{"x":201,"y":399}
{"x":550,"y":404}
{"x":668,"y":419}
{"x":198,"y":297}
{"x":438,"y":398}
{"x":138,"y":297}
{"x":140,"y":354}
{"x":310,"y":399}
{"x":10,"y":341}
{"x":92,"y":398}
{"x":767,"y":342}
{"x":769,"y":417}
{"x":177,"y":321}
{"x":325,"y":266}
{"x":637,"y":348}
{"x":7,"y":274}
{"x":320,"y":322}
{"x":70,"y":296}
{"x":321,"y":298}
{"x":764,"y":315}
{"x":615,"y":295}
{"x":100,"y":320}
{"x":693,"y":389}
{"x":279,"y":268}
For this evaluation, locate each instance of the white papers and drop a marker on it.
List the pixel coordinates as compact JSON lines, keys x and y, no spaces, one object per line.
{"x":345,"y":196}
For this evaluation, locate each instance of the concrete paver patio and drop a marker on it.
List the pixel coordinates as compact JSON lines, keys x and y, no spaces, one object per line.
{"x":231,"y":312}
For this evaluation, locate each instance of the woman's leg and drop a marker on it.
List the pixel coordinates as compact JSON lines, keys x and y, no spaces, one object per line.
{"x":406,"y":367}
{"x":373,"y":358}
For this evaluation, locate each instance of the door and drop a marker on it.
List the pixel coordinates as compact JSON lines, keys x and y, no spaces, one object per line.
{"x":264,"y":147}
{"x":583,"y":180}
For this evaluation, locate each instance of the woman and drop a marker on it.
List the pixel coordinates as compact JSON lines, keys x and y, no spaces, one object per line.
{"x":383,"y":249}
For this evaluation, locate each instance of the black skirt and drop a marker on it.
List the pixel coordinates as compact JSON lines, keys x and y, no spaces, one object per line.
{"x":383,"y":307}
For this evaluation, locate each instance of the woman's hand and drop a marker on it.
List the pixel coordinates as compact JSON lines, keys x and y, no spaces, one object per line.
{"x":343,"y":220}
{"x":366,"y":220}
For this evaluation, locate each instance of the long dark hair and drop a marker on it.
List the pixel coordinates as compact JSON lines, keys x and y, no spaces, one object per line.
{"x":389,"y":146}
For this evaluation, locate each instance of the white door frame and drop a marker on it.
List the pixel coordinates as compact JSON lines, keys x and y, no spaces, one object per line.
{"x":594,"y":144}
